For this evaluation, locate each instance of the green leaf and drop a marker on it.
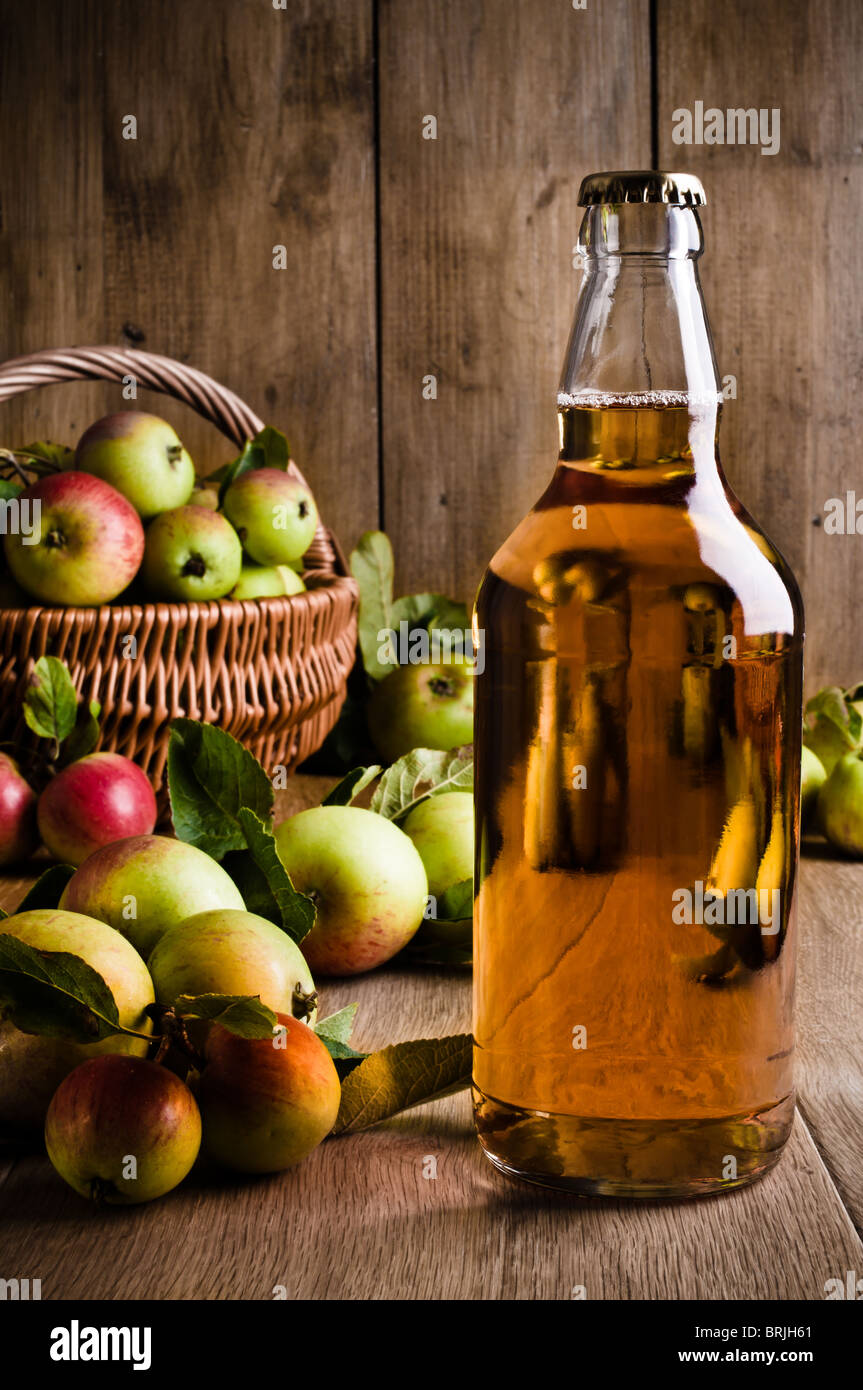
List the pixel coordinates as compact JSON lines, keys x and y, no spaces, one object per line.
{"x":372,"y":568}
{"x":45,"y":457}
{"x":48,"y":888}
{"x":834,"y":705}
{"x":85,"y":735}
{"x":50,"y":701}
{"x":9,"y":490}
{"x":350,"y":787}
{"x":430,"y":611}
{"x":456,"y":904}
{"x":339,"y":1026}
{"x":211,"y":778}
{"x":243,"y":1014}
{"x":55,"y":994}
{"x":334,"y":1033}
{"x":401,"y":1076}
{"x":264,"y":882}
{"x":418,"y":775}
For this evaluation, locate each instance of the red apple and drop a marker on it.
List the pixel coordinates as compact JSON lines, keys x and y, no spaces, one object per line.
{"x":122,"y":1130}
{"x":141,"y":456}
{"x":93,"y":802}
{"x":266,"y":1104}
{"x":86,"y":544}
{"x":18,"y":836}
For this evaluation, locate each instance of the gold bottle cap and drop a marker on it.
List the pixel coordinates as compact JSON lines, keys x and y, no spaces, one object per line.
{"x":641,"y":186}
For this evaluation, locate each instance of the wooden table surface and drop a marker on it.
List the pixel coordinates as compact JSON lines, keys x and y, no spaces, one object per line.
{"x":361,"y":1218}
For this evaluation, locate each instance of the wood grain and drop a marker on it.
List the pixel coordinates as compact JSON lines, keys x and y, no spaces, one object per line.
{"x":361,"y":1218}
{"x":255,"y":129}
{"x":783,"y":289}
{"x":476,"y":235}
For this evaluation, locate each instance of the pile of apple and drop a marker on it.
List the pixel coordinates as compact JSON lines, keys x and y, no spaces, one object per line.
{"x":124,"y":507}
{"x":162,"y":922}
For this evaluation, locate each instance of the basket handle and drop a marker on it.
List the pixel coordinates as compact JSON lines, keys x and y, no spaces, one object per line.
{"x":212,"y":401}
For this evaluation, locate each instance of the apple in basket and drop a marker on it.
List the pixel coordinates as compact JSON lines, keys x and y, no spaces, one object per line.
{"x":142,"y":457}
{"x":275,"y":515}
{"x":192,"y":554}
{"x":82,"y":544}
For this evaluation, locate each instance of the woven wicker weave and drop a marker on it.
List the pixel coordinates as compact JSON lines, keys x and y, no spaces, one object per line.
{"x":271,"y":672}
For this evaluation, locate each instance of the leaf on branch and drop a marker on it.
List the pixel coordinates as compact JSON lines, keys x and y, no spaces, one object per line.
{"x":50,"y":701}
{"x":211,"y":778}
{"x":243,"y":1014}
{"x":402,"y":1076}
{"x":372,"y":568}
{"x":56,"y":994}
{"x":422,"y":773}
{"x":264,"y":883}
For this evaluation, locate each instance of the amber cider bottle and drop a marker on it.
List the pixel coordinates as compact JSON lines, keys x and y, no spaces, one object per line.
{"x":637,"y":747}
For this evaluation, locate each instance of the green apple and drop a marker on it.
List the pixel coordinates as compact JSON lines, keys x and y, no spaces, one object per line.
{"x":840,"y":805}
{"x":232,"y":952}
{"x":274,"y":514}
{"x":812,"y":779}
{"x":441,"y":828}
{"x":31,"y":1067}
{"x":267,"y":1103}
{"x":144,"y":885}
{"x":421,"y":707}
{"x":366,"y":880}
{"x":267,"y":581}
{"x":191,"y":555}
{"x":121,"y":1130}
{"x":142,"y":457}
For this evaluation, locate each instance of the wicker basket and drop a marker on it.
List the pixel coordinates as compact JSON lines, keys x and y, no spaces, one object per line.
{"x":271,"y":672}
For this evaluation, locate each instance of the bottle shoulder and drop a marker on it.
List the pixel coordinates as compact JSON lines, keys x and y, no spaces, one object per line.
{"x":661,"y":541}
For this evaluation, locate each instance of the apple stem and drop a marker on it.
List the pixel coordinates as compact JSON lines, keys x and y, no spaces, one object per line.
{"x":306,"y":1003}
{"x":441,"y":686}
{"x":194,"y":565}
{"x":100,"y":1189}
{"x":55,"y":539}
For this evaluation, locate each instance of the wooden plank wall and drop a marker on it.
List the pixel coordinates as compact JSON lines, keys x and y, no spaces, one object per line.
{"x":449,"y":257}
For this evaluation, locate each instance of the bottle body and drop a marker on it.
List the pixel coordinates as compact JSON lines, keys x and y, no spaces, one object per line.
{"x":637,"y":750}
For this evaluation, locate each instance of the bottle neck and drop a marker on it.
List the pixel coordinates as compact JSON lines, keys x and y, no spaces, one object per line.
{"x":640,"y":334}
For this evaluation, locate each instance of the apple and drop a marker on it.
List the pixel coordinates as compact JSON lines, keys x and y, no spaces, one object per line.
{"x":275,"y":515}
{"x":192,"y":555}
{"x":421,"y":707}
{"x":441,"y":828}
{"x":267,"y":581}
{"x":122,"y":1130}
{"x":32,"y":1067}
{"x":366,"y":880}
{"x":829,"y":742}
{"x":226,"y":951}
{"x":204,"y":496}
{"x":18,"y":837}
{"x":812,"y":779}
{"x":267,"y":1103}
{"x":88,"y":542}
{"x":142,"y":457}
{"x":840,"y":805}
{"x":145,"y":885}
{"x":92,"y":802}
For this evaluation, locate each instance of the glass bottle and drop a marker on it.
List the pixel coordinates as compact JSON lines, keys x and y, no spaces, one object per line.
{"x":637,"y":751}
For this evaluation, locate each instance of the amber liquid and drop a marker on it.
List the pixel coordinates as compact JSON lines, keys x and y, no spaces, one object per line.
{"x":637,"y":734}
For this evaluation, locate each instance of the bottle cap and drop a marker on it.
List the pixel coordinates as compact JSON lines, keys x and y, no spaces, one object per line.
{"x":641,"y":186}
